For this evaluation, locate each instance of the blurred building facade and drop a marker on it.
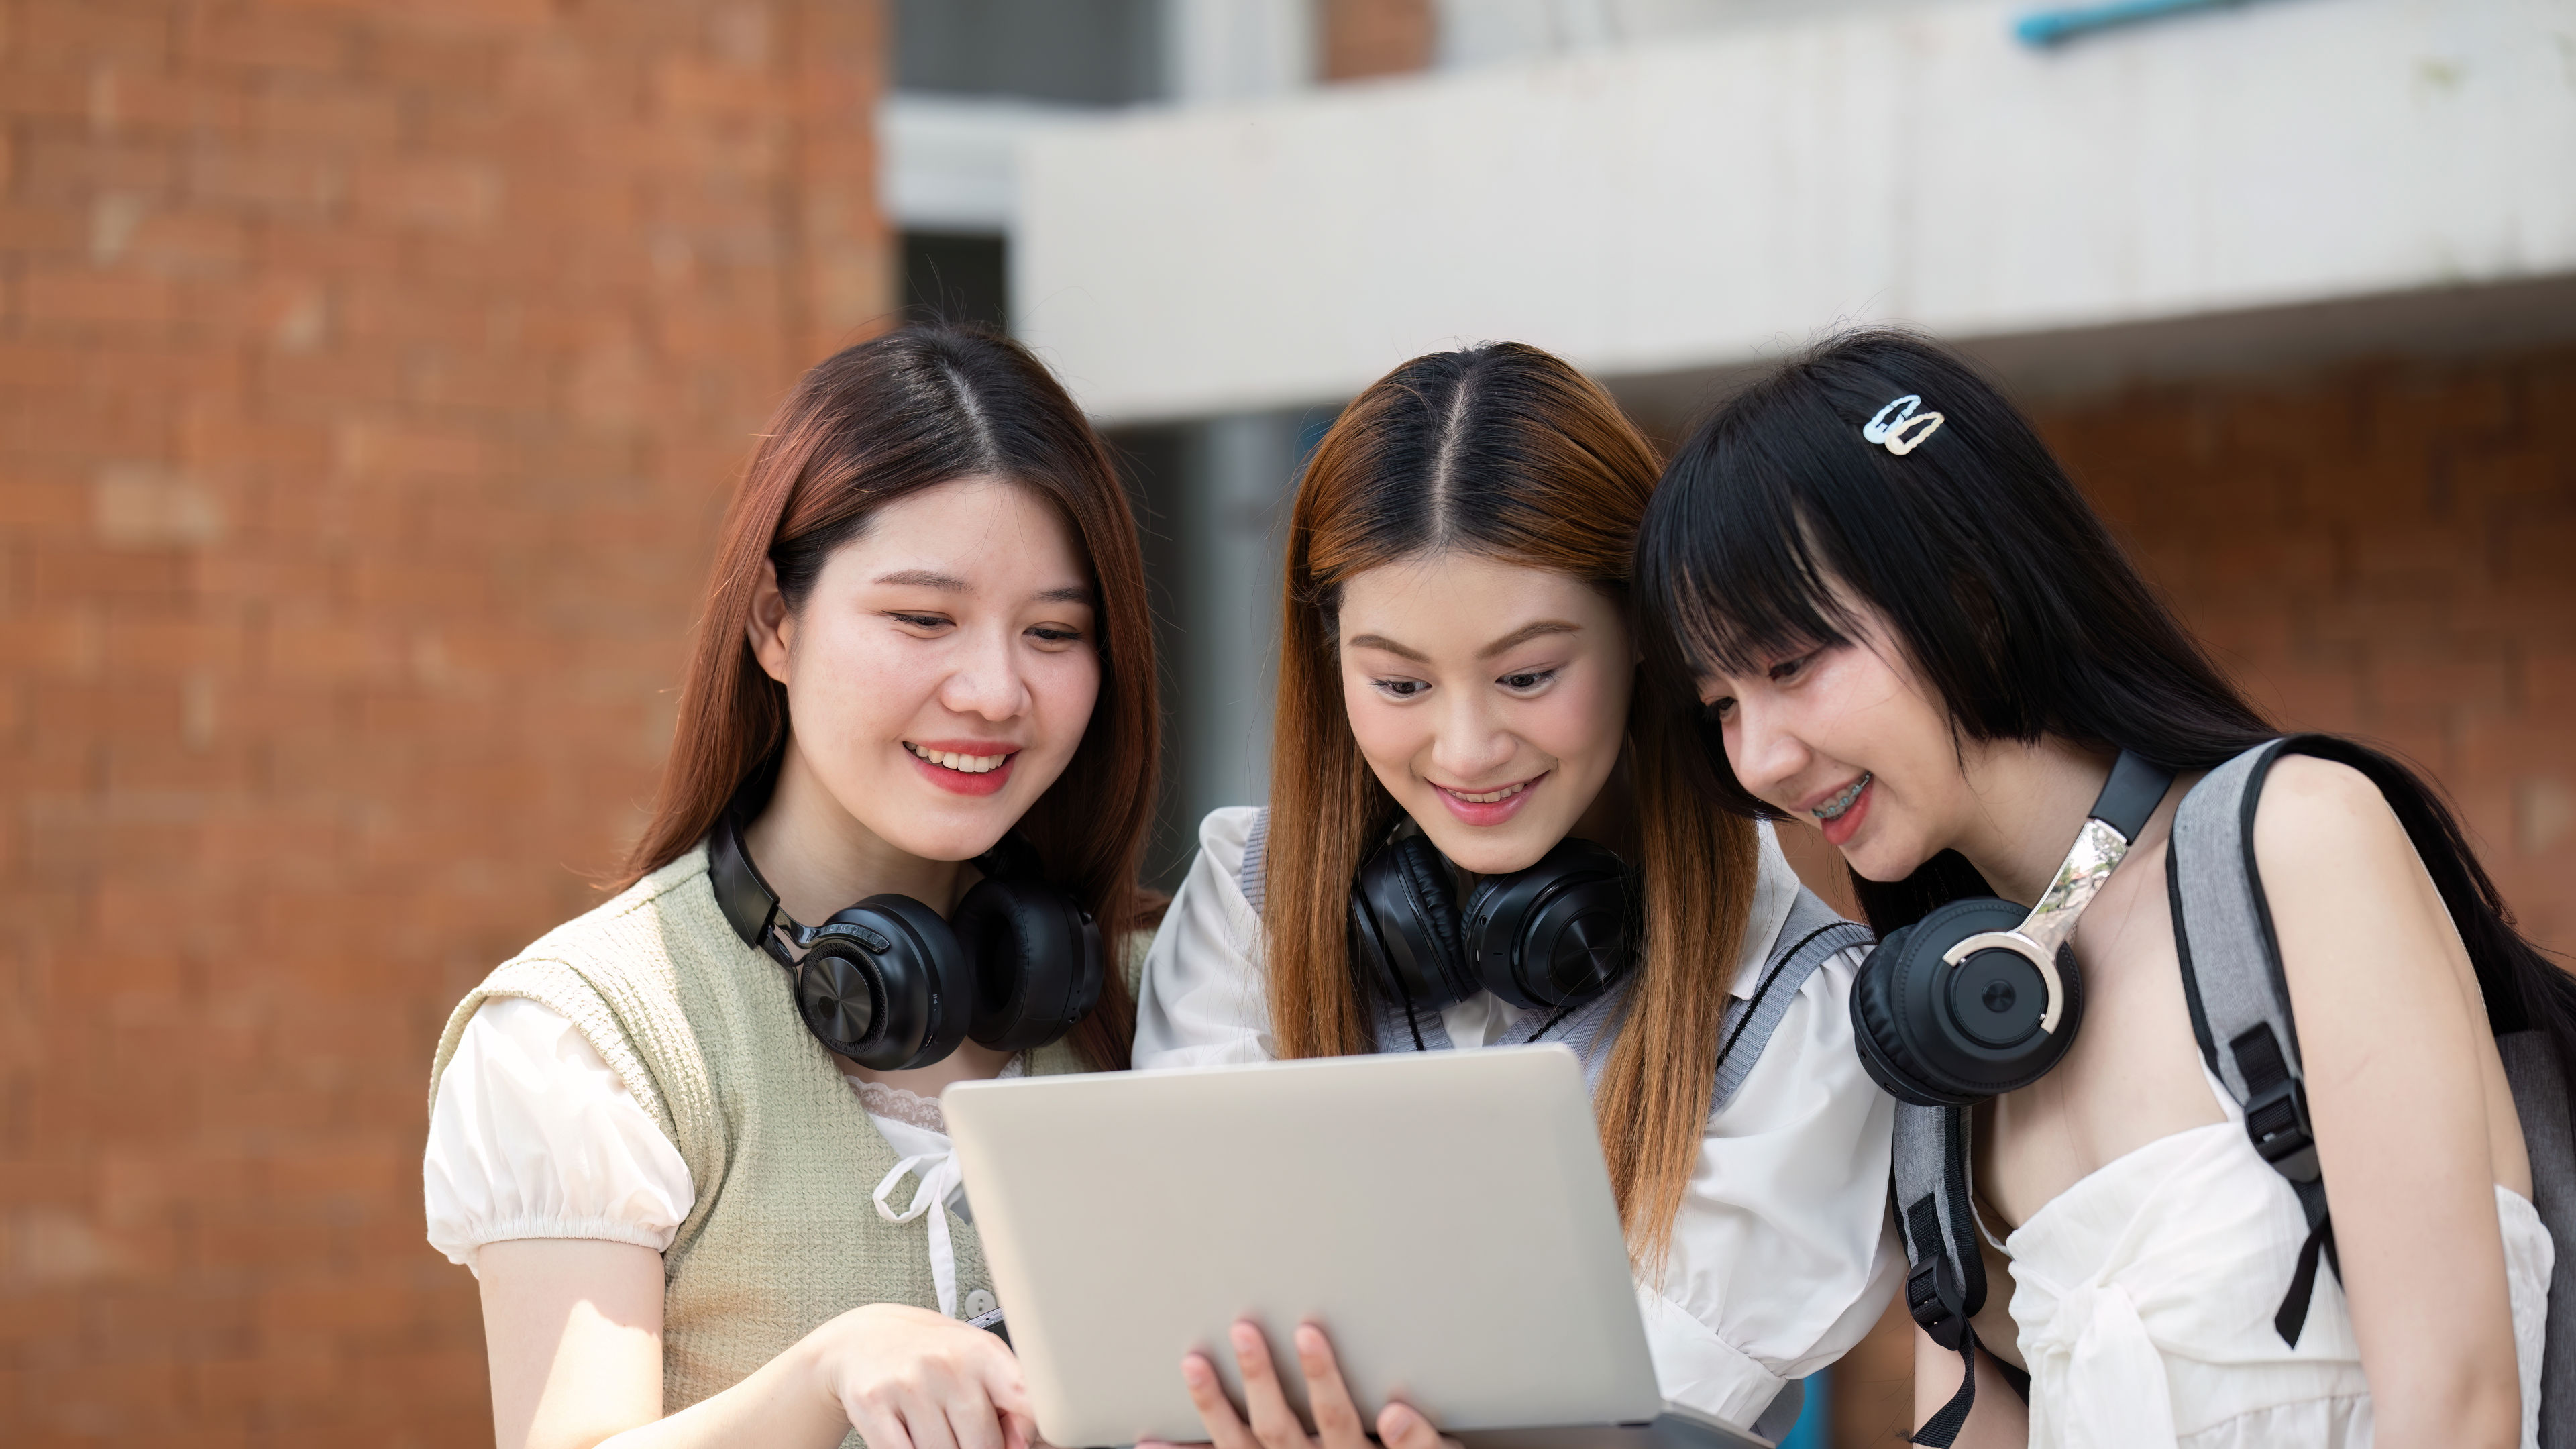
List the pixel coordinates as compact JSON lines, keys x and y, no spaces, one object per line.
{"x":371,"y":375}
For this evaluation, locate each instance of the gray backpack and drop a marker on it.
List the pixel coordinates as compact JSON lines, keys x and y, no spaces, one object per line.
{"x":2240,"y":1013}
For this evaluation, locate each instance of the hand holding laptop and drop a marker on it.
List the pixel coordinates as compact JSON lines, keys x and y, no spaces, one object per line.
{"x":1271,"y":1423}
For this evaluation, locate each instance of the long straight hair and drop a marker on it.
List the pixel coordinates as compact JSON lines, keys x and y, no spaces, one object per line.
{"x":2007,"y":594}
{"x":1506,"y":452}
{"x":906,"y":411}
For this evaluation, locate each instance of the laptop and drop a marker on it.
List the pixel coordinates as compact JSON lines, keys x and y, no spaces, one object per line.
{"x":1444,"y":1216}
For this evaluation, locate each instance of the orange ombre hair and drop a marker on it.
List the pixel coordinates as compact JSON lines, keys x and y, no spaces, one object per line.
{"x":906,"y":411}
{"x":1506,"y":452}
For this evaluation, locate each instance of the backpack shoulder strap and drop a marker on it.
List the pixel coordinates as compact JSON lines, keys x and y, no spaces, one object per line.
{"x":1945,"y":1282}
{"x":1256,"y":844}
{"x":1811,"y":935}
{"x":2239,"y":998}
{"x":2540,"y":1098}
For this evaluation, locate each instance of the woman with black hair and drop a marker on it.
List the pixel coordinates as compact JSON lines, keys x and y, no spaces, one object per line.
{"x":1904,"y":622}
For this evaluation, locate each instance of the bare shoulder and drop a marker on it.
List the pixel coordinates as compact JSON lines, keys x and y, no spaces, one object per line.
{"x":2324,"y":821}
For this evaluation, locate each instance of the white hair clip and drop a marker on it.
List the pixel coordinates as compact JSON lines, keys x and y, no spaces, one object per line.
{"x":1907,"y":430}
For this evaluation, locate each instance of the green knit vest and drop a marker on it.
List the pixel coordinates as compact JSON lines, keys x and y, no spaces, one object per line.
{"x":703,"y":1031}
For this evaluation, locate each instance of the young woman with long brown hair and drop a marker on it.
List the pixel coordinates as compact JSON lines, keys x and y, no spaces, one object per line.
{"x":1455,"y":722}
{"x":922,"y":682}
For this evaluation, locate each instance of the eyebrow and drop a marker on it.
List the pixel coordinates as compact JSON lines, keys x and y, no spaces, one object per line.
{"x":1380,"y":641}
{"x":1512,"y":640}
{"x":951,"y":584}
{"x":926,"y":579}
{"x":1526,"y":633}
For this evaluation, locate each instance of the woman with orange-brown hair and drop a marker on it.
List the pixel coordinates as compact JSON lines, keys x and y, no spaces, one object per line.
{"x":1473,"y":838}
{"x":919,"y":714}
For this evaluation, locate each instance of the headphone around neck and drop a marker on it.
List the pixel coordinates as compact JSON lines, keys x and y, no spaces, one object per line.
{"x":890,"y":985}
{"x":1982,"y":997}
{"x":1554,"y":935}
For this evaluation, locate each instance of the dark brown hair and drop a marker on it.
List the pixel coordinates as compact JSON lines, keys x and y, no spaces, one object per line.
{"x":906,"y":411}
{"x":1506,"y":452}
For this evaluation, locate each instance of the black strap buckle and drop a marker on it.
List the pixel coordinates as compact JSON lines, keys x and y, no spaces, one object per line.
{"x":2278,"y":1123}
{"x":1932,"y":1296}
{"x":2276,"y":1106}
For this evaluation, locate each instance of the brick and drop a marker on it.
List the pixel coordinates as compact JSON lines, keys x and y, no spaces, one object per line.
{"x":132,"y":30}
{"x":265,"y":181}
{"x":55,"y":644}
{"x":175,"y":243}
{"x":447,"y":195}
{"x":339,"y":116}
{"x":81,"y":298}
{"x":145,"y":505}
{"x":216,"y":40}
{"x":64,"y":168}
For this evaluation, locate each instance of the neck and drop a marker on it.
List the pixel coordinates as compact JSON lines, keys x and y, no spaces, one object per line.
{"x":820,"y":859}
{"x":1610,"y":820}
{"x":2031,"y":801}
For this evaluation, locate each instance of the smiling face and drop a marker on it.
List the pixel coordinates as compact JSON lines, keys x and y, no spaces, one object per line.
{"x":943,"y":669}
{"x":1491,"y":700}
{"x":1849,"y":736}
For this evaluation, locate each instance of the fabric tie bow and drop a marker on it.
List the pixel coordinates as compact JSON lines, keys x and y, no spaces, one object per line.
{"x":940,"y":1176}
{"x":2095,"y":1366}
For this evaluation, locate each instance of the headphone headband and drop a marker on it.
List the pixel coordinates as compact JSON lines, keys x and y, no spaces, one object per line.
{"x":1555,"y":934}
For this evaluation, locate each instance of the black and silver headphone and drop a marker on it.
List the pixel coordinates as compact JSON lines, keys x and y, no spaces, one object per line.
{"x":1982,"y":997}
{"x":1553,"y":935}
{"x":891,"y":986}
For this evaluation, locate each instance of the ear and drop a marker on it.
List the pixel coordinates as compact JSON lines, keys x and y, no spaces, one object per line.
{"x":771,"y":629}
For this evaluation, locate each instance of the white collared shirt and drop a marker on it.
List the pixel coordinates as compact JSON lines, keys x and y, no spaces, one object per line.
{"x":1782,"y":1254}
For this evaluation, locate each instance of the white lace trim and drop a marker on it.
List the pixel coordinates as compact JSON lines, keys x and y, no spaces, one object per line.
{"x":912,"y":1108}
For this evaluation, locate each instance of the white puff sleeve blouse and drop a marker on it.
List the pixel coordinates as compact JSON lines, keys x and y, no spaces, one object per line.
{"x":533,"y":1135}
{"x":1782,"y":1252}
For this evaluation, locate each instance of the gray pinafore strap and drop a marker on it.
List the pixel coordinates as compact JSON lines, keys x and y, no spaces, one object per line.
{"x":1811,"y":936}
{"x":2540,"y":1098}
{"x":1256,"y":846}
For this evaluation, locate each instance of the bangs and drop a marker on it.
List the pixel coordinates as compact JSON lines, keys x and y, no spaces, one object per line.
{"x":1774,"y":602}
{"x":1733,"y":577}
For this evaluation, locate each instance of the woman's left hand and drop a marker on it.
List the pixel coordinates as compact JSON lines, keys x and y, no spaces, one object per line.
{"x":1273,"y":1425}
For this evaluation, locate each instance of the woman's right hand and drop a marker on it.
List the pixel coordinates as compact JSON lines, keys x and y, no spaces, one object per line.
{"x":908,"y":1378}
{"x":1268,"y":1422}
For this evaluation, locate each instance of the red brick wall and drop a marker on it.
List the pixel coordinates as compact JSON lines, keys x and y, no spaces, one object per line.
{"x":2382,"y":550}
{"x":369,"y":376}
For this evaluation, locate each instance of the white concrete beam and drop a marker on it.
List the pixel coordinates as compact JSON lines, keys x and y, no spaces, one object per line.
{"x":1698,"y":204}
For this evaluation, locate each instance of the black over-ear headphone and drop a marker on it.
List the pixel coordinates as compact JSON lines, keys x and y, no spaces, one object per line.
{"x":891,"y":986}
{"x":1981,"y":997}
{"x":1552,"y":935}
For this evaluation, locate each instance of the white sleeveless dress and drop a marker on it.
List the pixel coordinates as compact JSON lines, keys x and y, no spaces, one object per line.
{"x":2144,"y":1297}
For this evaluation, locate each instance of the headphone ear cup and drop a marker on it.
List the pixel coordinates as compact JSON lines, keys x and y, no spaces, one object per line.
{"x":1874,"y":1030}
{"x":1036,"y":958}
{"x":1560,"y":931}
{"x":840,"y":996}
{"x":1404,"y":926}
{"x":1924,"y":1044}
{"x":919,"y":983}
